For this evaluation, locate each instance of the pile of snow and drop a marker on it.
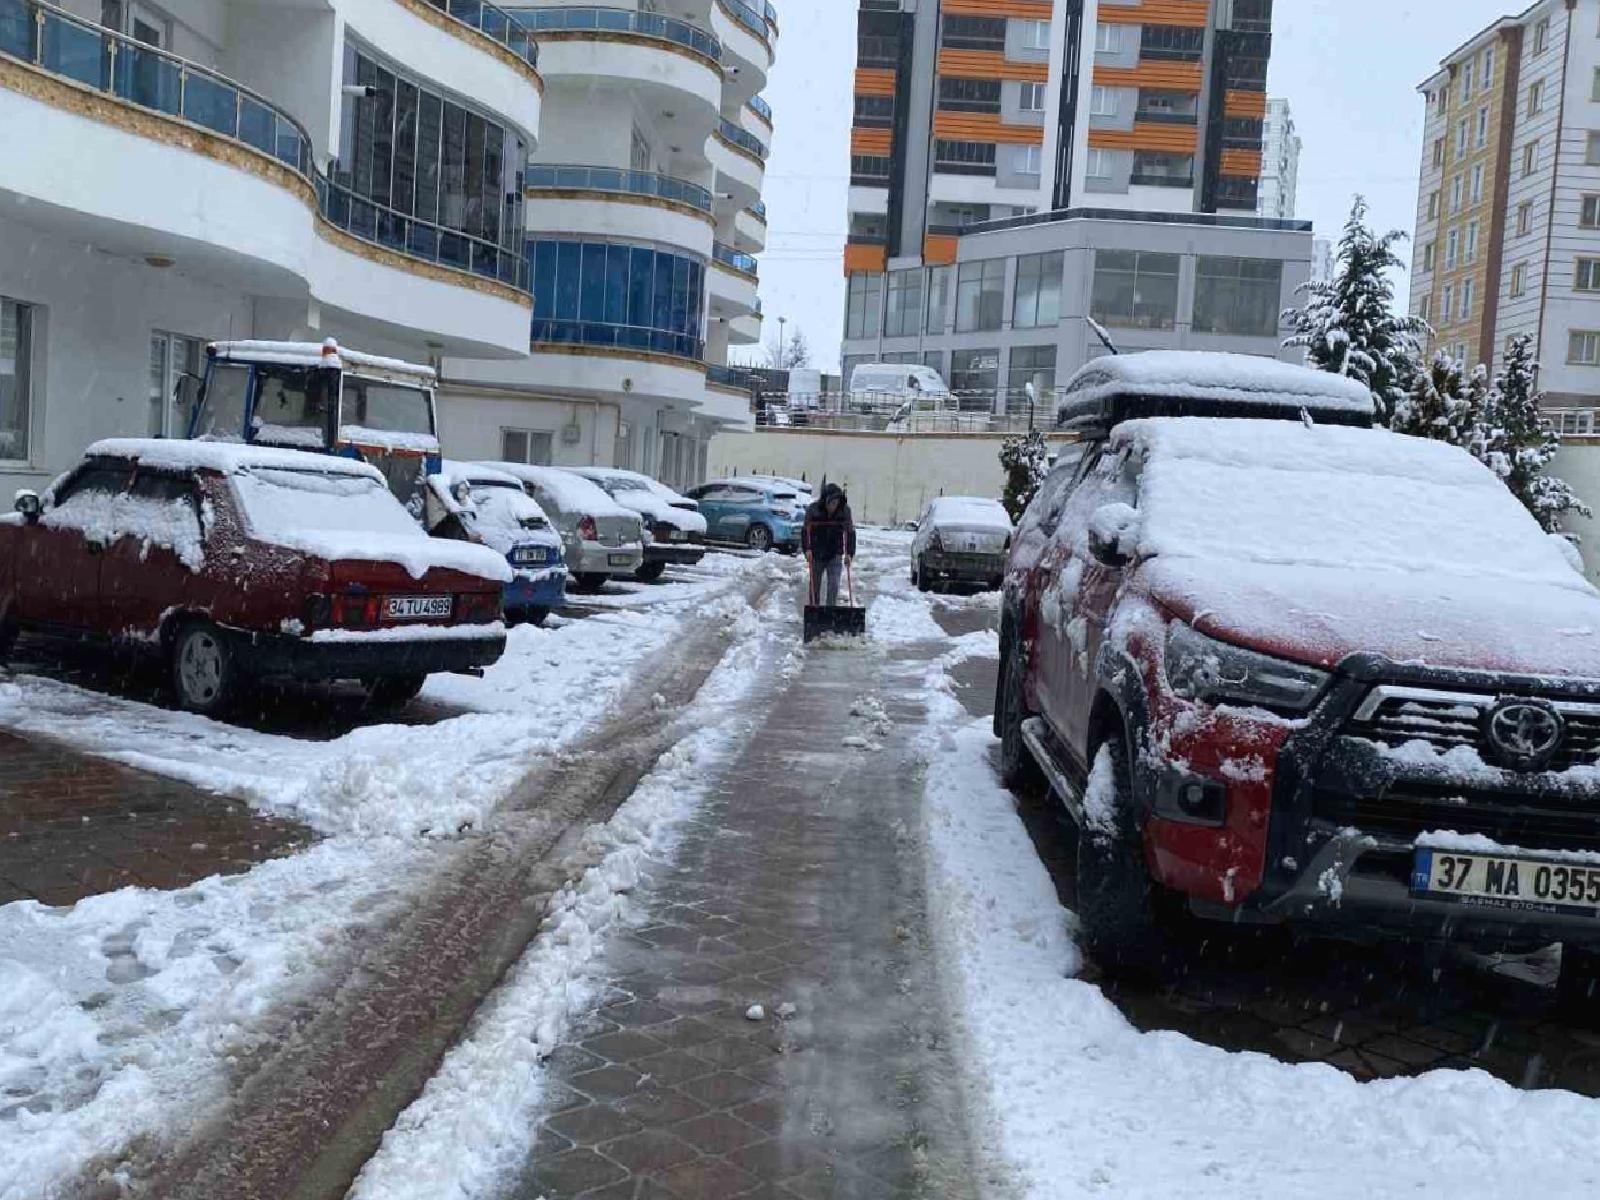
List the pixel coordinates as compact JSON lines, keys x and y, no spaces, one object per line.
{"x":968,"y":512}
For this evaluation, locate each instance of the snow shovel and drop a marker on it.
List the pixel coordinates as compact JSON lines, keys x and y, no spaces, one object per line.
{"x":843,"y":620}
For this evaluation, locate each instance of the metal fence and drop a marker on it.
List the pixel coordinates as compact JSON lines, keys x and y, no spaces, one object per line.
{"x":962,"y":412}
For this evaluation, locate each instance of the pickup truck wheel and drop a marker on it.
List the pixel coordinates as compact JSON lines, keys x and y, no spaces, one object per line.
{"x":394,"y":691}
{"x":204,"y":677}
{"x":759,"y":538}
{"x":650,"y":572}
{"x":1578,"y":986}
{"x":1124,"y":915}
{"x":1018,"y":771}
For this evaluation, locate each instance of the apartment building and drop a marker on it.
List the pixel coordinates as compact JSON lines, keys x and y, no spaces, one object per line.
{"x":1280,"y":162}
{"x":1070,"y":125}
{"x":1508,"y":218}
{"x":403,"y":175}
{"x":644,"y":217}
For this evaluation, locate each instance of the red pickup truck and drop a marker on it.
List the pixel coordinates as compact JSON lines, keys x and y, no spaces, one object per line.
{"x":238,"y":562}
{"x":1282,"y":668}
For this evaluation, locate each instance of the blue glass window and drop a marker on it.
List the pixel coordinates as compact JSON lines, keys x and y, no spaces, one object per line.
{"x":608,"y":294}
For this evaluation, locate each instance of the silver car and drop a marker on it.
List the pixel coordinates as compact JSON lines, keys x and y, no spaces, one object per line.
{"x":961,"y":539}
{"x":602,"y":539}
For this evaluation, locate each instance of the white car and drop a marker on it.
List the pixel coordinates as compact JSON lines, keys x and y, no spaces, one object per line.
{"x":602,"y":538}
{"x":673,"y":534}
{"x":962,"y":540}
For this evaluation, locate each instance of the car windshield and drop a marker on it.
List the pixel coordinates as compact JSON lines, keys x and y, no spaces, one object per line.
{"x":386,"y":407}
{"x":293,"y":406}
{"x":281,"y":503}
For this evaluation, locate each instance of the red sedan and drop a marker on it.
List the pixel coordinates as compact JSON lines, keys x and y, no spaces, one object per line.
{"x":241,"y":562}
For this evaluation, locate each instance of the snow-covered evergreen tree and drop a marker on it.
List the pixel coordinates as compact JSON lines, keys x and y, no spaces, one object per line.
{"x":1026,"y":461}
{"x":1348,"y":325}
{"x":1517,"y":443}
{"x":1445,"y":403}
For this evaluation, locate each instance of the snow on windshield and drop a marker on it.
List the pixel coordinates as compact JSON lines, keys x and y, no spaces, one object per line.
{"x":339,"y":516}
{"x":970,"y":510}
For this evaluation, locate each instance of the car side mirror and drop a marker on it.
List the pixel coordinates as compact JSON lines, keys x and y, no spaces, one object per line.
{"x":29,"y":505}
{"x":1114,"y":534}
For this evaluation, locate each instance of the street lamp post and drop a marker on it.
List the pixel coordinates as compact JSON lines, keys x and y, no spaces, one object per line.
{"x":782,"y":351}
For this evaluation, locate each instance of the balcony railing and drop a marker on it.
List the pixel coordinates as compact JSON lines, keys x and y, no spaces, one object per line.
{"x":733,"y":377}
{"x":770,"y":13}
{"x":493,"y":22}
{"x":1161,"y":116}
{"x":1155,"y":179}
{"x":737,"y":259}
{"x":551,"y":330}
{"x":546,"y":176}
{"x":762,"y":108}
{"x":106,"y":61}
{"x":742,"y":138}
{"x":619,"y":20}
{"x":746,"y":16}
{"x":759,"y":211}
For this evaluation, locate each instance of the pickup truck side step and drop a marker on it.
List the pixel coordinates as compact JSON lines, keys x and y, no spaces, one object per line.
{"x":1041,"y":743}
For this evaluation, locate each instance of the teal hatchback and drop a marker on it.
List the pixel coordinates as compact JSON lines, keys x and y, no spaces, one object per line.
{"x":758,"y":513}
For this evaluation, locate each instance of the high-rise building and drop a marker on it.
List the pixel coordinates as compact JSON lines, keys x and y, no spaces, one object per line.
{"x":1508,"y":212}
{"x":1102,"y":156}
{"x":1280,"y":162}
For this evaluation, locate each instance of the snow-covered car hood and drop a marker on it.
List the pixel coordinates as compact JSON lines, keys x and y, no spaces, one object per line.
{"x":1319,"y":615}
{"x":659,"y":509}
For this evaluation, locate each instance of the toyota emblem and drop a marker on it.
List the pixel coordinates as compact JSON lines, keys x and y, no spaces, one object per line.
{"x":1523,"y":734}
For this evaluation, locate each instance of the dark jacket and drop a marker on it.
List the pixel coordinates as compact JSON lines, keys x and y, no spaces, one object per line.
{"x":826,"y":537}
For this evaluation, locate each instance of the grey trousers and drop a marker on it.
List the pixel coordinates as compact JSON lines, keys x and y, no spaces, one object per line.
{"x":825,"y":582}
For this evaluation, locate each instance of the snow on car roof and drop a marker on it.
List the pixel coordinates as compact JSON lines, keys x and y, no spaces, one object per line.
{"x":185,"y":454}
{"x":970,"y":510}
{"x":1205,"y":375}
{"x":570,"y":491}
{"x":316,"y":354}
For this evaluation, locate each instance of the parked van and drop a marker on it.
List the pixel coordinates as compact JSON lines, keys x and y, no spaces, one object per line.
{"x":889,"y":385}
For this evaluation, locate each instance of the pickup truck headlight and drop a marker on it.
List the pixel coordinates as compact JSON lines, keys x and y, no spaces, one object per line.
{"x":1204,"y":669}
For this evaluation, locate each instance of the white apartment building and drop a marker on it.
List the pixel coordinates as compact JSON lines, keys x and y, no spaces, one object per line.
{"x":644,"y":214}
{"x":391,"y":173}
{"x":189,"y":170}
{"x":1280,"y":162}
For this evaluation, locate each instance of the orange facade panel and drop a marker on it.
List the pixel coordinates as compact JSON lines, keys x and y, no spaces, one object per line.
{"x":1167,"y":139}
{"x":1241,"y":162}
{"x":874,"y":81}
{"x":1028,"y":10}
{"x":871,"y":141}
{"x":1168,"y":76}
{"x":938,"y":249}
{"x":1193,"y":14}
{"x":984,"y":127}
{"x":860,"y":258}
{"x":990,"y":64}
{"x":1245,"y":104}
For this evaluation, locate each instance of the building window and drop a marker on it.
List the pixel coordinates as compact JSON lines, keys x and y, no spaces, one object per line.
{"x":1102,"y":102}
{"x":1591,"y":149}
{"x":1026,"y":160}
{"x":1461,"y":138}
{"x":1446,"y":303}
{"x":903,"y":317}
{"x":1035,"y":35}
{"x":1452,"y":249}
{"x":974,"y":33}
{"x":1153,"y":169}
{"x":1530,"y":158}
{"x":1030,"y":97}
{"x":172,"y":356}
{"x":873,"y":112}
{"x":1583,"y":348}
{"x":1438,"y":152}
{"x":1107,"y":38}
{"x":1457,"y":193}
{"x":611,"y":294}
{"x":940,"y":282}
{"x":969,"y":95}
{"x":1535,"y":97}
{"x":1589,"y":213}
{"x":1477,"y":183}
{"x":1519,"y":279}
{"x":1524,"y":218}
{"x":1427,"y":256}
{"x":869,"y":169}
{"x":1036,"y":300}
{"x":1482,"y":138}
{"x":1472,"y":242}
{"x":1186,"y":43}
{"x":963,"y":158}
{"x":1135,"y":289}
{"x":1466,"y":299}
{"x":1587,"y":275}
{"x":863,"y":296}
{"x":975,"y":371}
{"x":1238,"y":296}
{"x":980,"y":294}
{"x":1466,"y":81}
{"x":16,"y":378}
{"x":534,"y":447}
{"x":1594,"y":86}
{"x":1433,"y":205}
{"x":1541,"y":36}
{"x":1027,"y":363}
{"x":1488,"y":68}
{"x":1099,"y":165}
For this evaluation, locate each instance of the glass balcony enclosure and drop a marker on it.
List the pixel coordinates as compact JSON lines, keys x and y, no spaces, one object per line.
{"x":611,"y":294}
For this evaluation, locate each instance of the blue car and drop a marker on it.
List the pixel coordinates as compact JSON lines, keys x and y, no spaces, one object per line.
{"x":479,"y":504}
{"x":763,"y":514}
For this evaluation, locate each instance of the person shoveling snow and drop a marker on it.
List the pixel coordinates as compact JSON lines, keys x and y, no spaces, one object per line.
{"x":829,"y":541}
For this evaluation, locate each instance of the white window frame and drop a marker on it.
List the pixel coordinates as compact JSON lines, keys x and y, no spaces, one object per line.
{"x":529,"y":436}
{"x":1525,"y":218}
{"x":1591,"y":148}
{"x":1481,"y":134}
{"x":1465,"y":313}
{"x":1535,"y":98}
{"x":1530,"y":158}
{"x":1027,"y":159}
{"x":1102,"y":101}
{"x":1466,"y":81}
{"x":1031,"y":91}
{"x":1589,"y":211}
{"x":1107,"y":38}
{"x":1100,"y":159}
{"x":170,"y":372}
{"x":1035,"y":35}
{"x":28,"y":389}
{"x":1461,"y":138}
{"x":1586,"y":274}
{"x":1447,"y":302}
{"x":1471,"y":250}
{"x":1519,"y":279}
{"x":1591,"y":343}
{"x":1458,"y":191}
{"x":1452,"y":249}
{"x":1488,"y":68}
{"x":1477,"y":184}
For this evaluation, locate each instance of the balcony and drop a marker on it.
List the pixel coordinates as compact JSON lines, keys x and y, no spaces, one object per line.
{"x":1160,"y":116}
{"x":548,"y":177}
{"x":740,"y":161}
{"x":1160,"y":179}
{"x":758,"y":210}
{"x":746,"y":44}
{"x":732,"y":284}
{"x":735,"y":260}
{"x":762,"y":109}
{"x":600,"y":334}
{"x":495,"y":23}
{"x":612,"y":202}
{"x":620,"y":20}
{"x":736,"y":378}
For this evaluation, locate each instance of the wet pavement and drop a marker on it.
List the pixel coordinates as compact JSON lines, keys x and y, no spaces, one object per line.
{"x":796,"y":888}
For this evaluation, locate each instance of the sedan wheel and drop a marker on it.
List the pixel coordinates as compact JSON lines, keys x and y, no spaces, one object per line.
{"x":918,"y":578}
{"x":202,"y":668}
{"x":759,"y":538}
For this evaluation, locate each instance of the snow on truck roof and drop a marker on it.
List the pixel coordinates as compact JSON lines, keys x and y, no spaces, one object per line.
{"x":184,"y":454}
{"x":1201,"y":381}
{"x":327,"y":353}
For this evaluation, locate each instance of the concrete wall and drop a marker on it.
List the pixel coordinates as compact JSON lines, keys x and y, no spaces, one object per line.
{"x":1578,"y":462}
{"x":890,"y":479}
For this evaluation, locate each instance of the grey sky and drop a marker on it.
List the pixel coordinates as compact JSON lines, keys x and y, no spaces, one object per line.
{"x":1349,"y":69}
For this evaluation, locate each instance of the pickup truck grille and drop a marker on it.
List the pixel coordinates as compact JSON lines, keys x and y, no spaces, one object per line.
{"x":1533,"y":821}
{"x":1394,"y":716}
